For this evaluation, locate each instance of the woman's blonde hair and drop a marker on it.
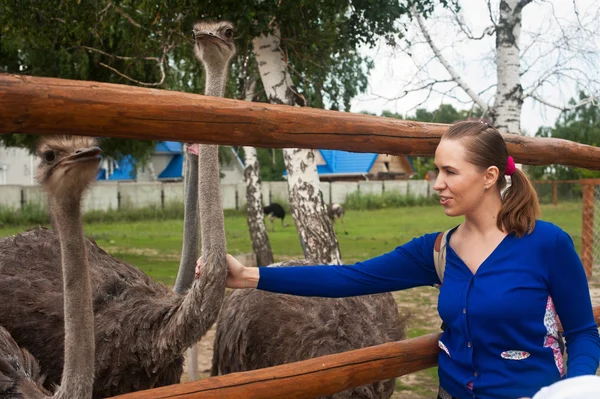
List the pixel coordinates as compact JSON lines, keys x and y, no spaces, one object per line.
{"x":485,"y":147}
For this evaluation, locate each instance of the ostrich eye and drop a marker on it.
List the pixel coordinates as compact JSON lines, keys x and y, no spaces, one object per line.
{"x":49,"y":156}
{"x":229,"y":33}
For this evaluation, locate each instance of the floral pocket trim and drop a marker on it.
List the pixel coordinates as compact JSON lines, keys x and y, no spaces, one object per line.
{"x":515,"y":355}
{"x":443,"y":347}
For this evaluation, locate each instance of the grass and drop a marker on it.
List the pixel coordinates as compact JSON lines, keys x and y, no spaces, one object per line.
{"x":154,"y":246}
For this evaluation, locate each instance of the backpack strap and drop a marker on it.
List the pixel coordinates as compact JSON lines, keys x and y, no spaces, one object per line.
{"x":439,"y":259}
{"x":439,"y":254}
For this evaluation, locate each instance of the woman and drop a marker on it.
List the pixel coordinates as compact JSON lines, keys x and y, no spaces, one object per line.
{"x":507,"y":275}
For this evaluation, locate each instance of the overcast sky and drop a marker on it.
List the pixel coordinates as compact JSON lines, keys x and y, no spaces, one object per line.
{"x":474,"y":60}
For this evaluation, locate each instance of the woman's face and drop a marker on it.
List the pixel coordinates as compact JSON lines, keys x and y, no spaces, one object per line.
{"x":460,"y":184}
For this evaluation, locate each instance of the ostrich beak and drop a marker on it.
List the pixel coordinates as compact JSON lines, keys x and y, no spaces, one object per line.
{"x":82,"y":155}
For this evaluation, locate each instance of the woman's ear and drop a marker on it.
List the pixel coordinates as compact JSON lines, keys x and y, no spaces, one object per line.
{"x":491,"y":176}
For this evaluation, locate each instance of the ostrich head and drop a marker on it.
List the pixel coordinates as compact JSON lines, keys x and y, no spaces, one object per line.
{"x":68,"y":164}
{"x":214,"y":45}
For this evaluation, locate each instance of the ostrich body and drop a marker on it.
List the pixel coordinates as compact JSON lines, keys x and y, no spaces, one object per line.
{"x":142,"y":327}
{"x":68,"y":165}
{"x":258,"y":329}
{"x":274,"y":210}
{"x":336,"y":211}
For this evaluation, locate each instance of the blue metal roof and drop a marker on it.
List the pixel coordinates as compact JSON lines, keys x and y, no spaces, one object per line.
{"x":344,"y":162}
{"x":174,"y":169}
{"x":125,"y":170}
{"x":173,"y":147}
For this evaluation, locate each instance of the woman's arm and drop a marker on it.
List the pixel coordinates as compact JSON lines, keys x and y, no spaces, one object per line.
{"x":571,"y":296}
{"x":410,"y":265}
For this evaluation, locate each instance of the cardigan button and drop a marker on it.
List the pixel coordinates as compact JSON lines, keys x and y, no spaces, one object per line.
{"x":464,"y":310}
{"x":475,"y":374}
{"x":469,"y":344}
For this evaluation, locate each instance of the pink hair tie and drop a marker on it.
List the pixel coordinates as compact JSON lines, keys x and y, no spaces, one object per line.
{"x":510,"y":166}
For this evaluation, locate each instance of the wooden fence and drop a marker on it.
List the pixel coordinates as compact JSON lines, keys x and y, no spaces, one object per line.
{"x":315,"y":377}
{"x":55,"y":106}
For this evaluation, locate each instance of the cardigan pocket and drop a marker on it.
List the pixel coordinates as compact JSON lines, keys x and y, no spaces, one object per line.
{"x":515,"y":355}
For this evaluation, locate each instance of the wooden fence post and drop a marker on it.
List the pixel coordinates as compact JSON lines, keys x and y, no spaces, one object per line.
{"x":587,"y":228}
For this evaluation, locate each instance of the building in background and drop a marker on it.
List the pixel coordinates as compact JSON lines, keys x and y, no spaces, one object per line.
{"x":336,"y":165}
{"x":166,"y":164}
{"x":17,"y":166}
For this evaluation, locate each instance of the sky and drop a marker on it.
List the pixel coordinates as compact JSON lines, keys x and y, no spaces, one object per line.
{"x":544,"y":24}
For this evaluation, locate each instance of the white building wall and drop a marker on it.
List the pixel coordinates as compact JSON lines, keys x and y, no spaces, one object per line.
{"x":17,"y":166}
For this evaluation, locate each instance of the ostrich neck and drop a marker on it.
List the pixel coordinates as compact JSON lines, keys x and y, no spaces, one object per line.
{"x":197,"y":311}
{"x":209,"y":180}
{"x":78,"y":372}
{"x":215,"y":86}
{"x":216,"y":77}
{"x":189,"y":250}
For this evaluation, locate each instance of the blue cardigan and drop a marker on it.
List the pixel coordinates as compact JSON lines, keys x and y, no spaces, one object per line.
{"x":502,"y":328}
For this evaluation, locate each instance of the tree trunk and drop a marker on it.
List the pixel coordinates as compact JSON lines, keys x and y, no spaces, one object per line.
{"x":506,"y":111}
{"x":254,"y":202}
{"x":254,"y":206}
{"x":308,"y":210}
{"x":317,"y":236}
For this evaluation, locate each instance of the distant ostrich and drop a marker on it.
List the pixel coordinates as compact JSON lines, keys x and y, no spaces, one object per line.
{"x":142,"y":328}
{"x":214,"y":48}
{"x":65,"y":176}
{"x":336,"y":211}
{"x":274,"y":210}
{"x":258,"y":329}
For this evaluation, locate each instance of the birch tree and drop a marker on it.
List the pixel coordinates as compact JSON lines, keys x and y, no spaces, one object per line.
{"x":559,"y":53}
{"x":254,"y":200}
{"x":308,"y":210}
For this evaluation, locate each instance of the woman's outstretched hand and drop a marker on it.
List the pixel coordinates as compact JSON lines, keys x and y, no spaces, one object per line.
{"x":238,"y":275}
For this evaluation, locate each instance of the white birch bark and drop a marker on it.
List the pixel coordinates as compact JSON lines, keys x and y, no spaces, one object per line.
{"x":254,"y":206}
{"x":308,"y":210}
{"x":508,"y":100}
{"x":254,"y":201}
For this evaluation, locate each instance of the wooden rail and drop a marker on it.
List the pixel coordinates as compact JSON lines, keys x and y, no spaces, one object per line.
{"x":315,"y":377}
{"x":57,"y":106}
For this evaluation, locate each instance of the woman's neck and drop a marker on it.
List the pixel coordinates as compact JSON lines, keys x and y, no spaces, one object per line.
{"x":484,"y":219}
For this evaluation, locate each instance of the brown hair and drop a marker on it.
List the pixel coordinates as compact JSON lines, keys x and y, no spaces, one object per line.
{"x":485,"y":147}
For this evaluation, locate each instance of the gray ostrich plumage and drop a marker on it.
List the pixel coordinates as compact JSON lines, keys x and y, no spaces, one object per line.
{"x":258,"y":329}
{"x":67,"y":167}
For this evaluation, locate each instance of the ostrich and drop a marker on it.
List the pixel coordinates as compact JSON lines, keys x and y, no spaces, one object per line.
{"x":336,"y":211}
{"x":65,"y":174}
{"x":142,"y":327}
{"x":258,"y":329}
{"x":214,"y":48}
{"x":274,"y":210}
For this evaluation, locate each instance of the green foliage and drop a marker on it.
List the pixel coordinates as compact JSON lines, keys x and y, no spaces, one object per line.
{"x":388,"y":199}
{"x":30,"y":214}
{"x":581,"y":125}
{"x":272,"y":164}
{"x":73,"y":40}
